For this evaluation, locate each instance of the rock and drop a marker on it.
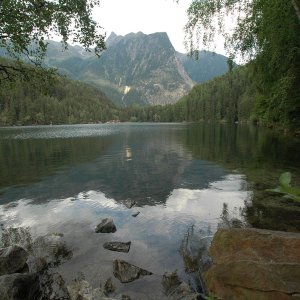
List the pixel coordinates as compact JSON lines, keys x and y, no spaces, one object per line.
{"x":81,"y":290}
{"x":19,"y":287}
{"x":236,"y":223}
{"x":170,"y":282}
{"x":12,"y":259}
{"x":129,"y":203}
{"x":117,"y":246}
{"x":47,"y":251}
{"x":136,"y":214}
{"x":175,"y":289}
{"x":106,"y":226}
{"x":254,"y":264}
{"x":109,"y":287}
{"x":126,"y":272}
{"x":53,"y":286}
{"x":125,"y":297}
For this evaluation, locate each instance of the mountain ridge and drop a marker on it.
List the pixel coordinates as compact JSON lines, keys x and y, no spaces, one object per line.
{"x":137,"y":68}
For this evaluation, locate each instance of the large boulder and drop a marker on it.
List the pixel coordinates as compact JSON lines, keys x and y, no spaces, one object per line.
{"x":12,"y":259}
{"x":106,"y":226}
{"x":127,"y":272}
{"x":19,"y":287}
{"x":254,"y":264}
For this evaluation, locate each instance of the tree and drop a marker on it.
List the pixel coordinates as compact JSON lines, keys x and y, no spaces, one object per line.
{"x":267,"y":32}
{"x":25,"y":26}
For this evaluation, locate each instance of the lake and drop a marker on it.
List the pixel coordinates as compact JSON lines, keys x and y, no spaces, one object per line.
{"x":186,"y":180}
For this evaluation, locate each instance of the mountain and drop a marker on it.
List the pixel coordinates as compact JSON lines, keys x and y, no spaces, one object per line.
{"x":137,"y":68}
{"x":208,"y":65}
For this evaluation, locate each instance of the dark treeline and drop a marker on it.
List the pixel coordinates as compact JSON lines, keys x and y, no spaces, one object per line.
{"x":230,"y":98}
{"x":59,"y":102}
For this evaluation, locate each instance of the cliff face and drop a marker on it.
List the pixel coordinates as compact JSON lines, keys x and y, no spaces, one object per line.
{"x":140,"y":68}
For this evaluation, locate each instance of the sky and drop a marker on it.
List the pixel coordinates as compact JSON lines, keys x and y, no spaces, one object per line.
{"x":148,"y":16}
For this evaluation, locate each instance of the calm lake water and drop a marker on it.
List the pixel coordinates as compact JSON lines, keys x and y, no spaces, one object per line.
{"x":186,"y":179}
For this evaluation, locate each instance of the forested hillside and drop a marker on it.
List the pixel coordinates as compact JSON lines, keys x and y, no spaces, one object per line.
{"x":234,"y":97}
{"x":59,"y":102}
{"x":226,"y":98}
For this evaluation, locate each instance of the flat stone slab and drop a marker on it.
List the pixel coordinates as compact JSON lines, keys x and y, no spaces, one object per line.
{"x":12,"y":259}
{"x":106,"y":226}
{"x":127,"y":272}
{"x":254,"y":264}
{"x":129,"y":203}
{"x":117,"y":246}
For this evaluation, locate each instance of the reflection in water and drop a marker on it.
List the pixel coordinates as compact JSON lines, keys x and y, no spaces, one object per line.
{"x":185,"y":179}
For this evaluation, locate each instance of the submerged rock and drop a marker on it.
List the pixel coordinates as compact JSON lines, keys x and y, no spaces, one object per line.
{"x":106,"y":226}
{"x":109,"y":287}
{"x":175,"y":289}
{"x":19,"y":287}
{"x":81,"y":290}
{"x":12,"y":259}
{"x":129,"y":203}
{"x":117,"y":246}
{"x":49,"y":250}
{"x":254,"y":264}
{"x":170,"y":282}
{"x":126,"y":272}
{"x":136,"y":214}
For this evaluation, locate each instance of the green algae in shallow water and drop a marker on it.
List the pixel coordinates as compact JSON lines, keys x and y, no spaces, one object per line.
{"x":285,"y":187}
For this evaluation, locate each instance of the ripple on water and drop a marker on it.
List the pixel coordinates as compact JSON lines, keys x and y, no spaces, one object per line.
{"x":58,"y":131}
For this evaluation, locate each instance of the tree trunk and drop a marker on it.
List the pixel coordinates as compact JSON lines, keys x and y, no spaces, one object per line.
{"x":297,"y":9}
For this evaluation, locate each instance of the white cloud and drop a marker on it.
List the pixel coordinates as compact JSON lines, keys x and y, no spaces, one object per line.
{"x":124,"y":17}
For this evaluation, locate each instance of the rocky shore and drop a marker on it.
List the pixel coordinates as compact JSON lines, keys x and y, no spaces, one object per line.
{"x":28,"y":269}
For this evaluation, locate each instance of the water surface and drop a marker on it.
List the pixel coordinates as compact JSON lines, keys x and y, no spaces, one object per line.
{"x":185,"y":178}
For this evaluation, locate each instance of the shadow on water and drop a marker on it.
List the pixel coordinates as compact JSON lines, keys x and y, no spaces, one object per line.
{"x":260,"y":154}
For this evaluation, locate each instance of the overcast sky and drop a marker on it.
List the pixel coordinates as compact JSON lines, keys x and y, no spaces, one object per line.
{"x":148,"y":16}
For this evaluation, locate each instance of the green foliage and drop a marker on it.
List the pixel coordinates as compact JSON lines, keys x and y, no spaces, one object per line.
{"x":285,"y":187}
{"x":228,"y":98}
{"x":60,"y":102}
{"x":25,"y":24}
{"x":266,"y":30}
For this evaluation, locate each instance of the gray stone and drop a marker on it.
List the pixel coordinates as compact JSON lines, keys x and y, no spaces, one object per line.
{"x":117,"y":246}
{"x":19,"y":287}
{"x":106,"y":226}
{"x":175,"y":289}
{"x":81,"y":290}
{"x":127,"y":272}
{"x":170,"y":282}
{"x":109,"y":287}
{"x":136,"y":214}
{"x":12,"y":259}
{"x":48,"y":250}
{"x":129,"y":203}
